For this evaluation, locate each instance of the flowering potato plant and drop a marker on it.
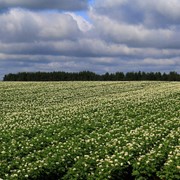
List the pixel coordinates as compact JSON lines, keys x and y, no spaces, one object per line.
{"x":89,"y":130}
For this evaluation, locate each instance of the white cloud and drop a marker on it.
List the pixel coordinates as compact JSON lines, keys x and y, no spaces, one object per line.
{"x":19,"y":25}
{"x":160,"y":62}
{"x":168,"y":8}
{"x":152,"y":13}
{"x":136,"y":35}
{"x":83,"y":24}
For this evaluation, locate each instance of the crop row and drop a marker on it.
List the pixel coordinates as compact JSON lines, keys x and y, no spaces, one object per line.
{"x":90,"y":130}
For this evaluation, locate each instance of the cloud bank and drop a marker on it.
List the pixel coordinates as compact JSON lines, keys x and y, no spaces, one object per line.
{"x":70,"y":5}
{"x":118,"y":35}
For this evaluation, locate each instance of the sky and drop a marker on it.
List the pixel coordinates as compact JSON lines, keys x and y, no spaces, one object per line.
{"x":97,"y":35}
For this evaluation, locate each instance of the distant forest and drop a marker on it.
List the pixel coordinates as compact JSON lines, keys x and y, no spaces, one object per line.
{"x":91,"y":76}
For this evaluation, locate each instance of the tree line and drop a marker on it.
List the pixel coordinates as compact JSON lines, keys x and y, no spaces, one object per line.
{"x":91,"y":76}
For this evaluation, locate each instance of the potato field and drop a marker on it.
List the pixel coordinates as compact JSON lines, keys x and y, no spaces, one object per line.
{"x":90,"y":130}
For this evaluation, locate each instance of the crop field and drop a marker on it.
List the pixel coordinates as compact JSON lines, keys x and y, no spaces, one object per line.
{"x":90,"y":130}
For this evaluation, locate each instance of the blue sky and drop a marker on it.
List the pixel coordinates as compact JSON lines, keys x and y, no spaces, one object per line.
{"x":100,"y":36}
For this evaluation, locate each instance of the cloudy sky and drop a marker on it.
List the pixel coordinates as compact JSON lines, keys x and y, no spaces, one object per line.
{"x":97,"y":35}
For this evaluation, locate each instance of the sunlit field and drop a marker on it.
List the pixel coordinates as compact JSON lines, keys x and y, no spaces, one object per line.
{"x":90,"y":130}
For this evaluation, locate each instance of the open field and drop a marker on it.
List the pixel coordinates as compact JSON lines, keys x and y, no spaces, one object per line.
{"x":90,"y":130}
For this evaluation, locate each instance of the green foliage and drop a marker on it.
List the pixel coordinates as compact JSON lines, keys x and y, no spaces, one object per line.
{"x":91,"y":76}
{"x":89,"y":130}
